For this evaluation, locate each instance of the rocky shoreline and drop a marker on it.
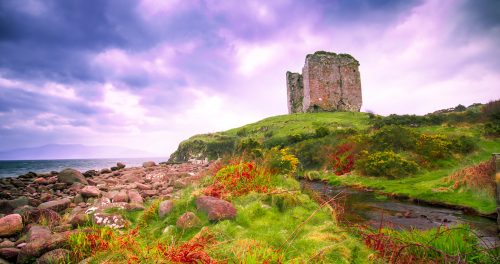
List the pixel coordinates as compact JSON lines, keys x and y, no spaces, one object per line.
{"x":39,"y":212}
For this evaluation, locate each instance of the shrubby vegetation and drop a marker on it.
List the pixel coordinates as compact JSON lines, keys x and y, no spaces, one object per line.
{"x":386,"y":163}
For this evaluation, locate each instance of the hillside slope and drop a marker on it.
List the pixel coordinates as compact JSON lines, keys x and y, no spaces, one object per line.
{"x":407,"y":155}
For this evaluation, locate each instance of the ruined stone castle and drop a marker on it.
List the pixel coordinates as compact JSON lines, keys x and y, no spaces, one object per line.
{"x":329,"y":82}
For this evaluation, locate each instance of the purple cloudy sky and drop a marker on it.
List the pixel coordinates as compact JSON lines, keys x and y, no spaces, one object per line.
{"x":147,"y":74}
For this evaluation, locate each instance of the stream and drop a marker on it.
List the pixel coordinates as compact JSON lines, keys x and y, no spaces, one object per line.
{"x":368,"y":208}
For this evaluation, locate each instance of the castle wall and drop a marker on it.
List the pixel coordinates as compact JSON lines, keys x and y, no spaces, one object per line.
{"x":295,"y":92}
{"x":331,"y":82}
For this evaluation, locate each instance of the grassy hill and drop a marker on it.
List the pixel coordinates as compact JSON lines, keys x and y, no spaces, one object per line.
{"x":427,"y":157}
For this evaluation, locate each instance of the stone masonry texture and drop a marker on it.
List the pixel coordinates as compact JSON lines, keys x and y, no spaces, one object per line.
{"x":329,"y":82}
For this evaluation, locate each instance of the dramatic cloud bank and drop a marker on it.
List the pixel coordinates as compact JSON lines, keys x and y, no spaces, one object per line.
{"x":147,"y":74}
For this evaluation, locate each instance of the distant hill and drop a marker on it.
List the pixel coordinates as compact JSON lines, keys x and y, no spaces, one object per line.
{"x":72,"y":151}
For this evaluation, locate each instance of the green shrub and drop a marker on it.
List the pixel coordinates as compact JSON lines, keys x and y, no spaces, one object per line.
{"x":492,"y":129}
{"x":249,"y":146}
{"x":268,"y":134}
{"x":242,"y":132}
{"x":313,"y":153}
{"x":463,"y":144}
{"x":433,"y":146}
{"x":386,"y":163}
{"x":281,"y":161}
{"x":294,"y":138}
{"x":217,"y":149}
{"x":491,"y":111}
{"x":322,"y":132}
{"x":396,"y":138}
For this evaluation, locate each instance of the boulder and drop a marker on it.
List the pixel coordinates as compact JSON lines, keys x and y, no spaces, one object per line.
{"x":11,"y":225}
{"x":142,"y":186}
{"x":9,"y":253}
{"x":38,"y":233}
{"x":105,"y":170}
{"x":165,"y":208}
{"x":216,"y":209}
{"x":149,"y":193}
{"x":71,"y":176}
{"x":7,"y":243}
{"x":188,"y":220}
{"x":121,"y":196}
{"x":36,"y":215}
{"x":110,"y":220}
{"x":79,"y":219}
{"x":7,"y":206}
{"x":148,"y":164}
{"x":90,"y":173}
{"x":56,"y":205}
{"x":90,"y":191}
{"x":53,"y":257}
{"x":38,"y":247}
{"x":120,"y":165}
{"x":135,"y":197}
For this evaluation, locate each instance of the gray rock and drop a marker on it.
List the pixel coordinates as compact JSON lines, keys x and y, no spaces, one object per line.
{"x":165,"y":208}
{"x":11,"y":225}
{"x":7,"y":206}
{"x":135,"y":197}
{"x":55,"y":256}
{"x":188,"y":220}
{"x":90,"y":191}
{"x":121,"y":196}
{"x":7,"y":243}
{"x":71,"y":176}
{"x":110,"y":220}
{"x":9,"y":253}
{"x":38,"y":233}
{"x":56,"y":205}
{"x":120,"y":165}
{"x":148,"y":164}
{"x":216,"y":209}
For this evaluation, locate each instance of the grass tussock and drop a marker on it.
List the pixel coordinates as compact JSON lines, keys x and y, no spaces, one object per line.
{"x":478,"y":177}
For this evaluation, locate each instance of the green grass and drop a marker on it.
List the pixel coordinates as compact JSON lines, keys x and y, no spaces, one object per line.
{"x":454,"y":241}
{"x":263,"y":230}
{"x":425,"y":184}
{"x":284,"y":125}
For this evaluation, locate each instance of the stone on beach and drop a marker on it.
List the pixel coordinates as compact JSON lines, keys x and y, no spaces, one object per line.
{"x":10,"y":225}
{"x":71,"y":176}
{"x":56,"y":205}
{"x":165,"y":207}
{"x":90,"y":191}
{"x":216,"y":209}
{"x":188,"y":220}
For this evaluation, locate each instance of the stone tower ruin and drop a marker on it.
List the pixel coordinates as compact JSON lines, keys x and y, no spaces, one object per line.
{"x":329,"y":82}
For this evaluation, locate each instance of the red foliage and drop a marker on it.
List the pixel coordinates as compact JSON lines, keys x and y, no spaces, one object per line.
{"x":478,"y":177}
{"x":192,"y":252}
{"x":239,"y":178}
{"x":342,"y":160}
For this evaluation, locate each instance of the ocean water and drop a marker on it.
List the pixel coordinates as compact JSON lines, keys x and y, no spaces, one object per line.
{"x":14,"y":168}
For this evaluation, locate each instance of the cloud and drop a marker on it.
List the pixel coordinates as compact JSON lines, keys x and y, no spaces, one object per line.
{"x":147,"y":74}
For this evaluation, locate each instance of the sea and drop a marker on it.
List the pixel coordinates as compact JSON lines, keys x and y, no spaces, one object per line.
{"x":14,"y":168}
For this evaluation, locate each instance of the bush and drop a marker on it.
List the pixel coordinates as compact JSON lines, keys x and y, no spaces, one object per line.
{"x":491,"y":111}
{"x":248,"y":144}
{"x":220,"y":148}
{"x":242,"y":132}
{"x":322,"y":132}
{"x":435,"y":146}
{"x":492,"y":129}
{"x":281,"y":161}
{"x":342,"y":159}
{"x":395,"y":138}
{"x":313,"y":153}
{"x":386,"y":163}
{"x":294,"y":138}
{"x":463,"y":144}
